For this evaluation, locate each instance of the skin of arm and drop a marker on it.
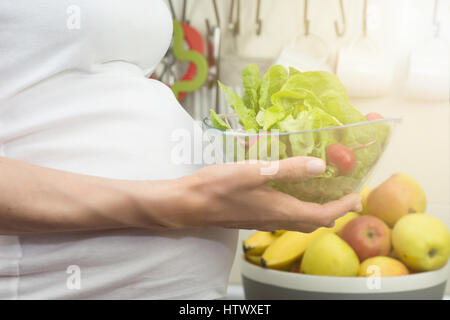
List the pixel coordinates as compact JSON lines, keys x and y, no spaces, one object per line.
{"x":39,"y":200}
{"x":36,"y":199}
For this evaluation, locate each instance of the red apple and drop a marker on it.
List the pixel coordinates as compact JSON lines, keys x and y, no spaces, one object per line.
{"x":369,"y":236}
{"x":373,"y":116}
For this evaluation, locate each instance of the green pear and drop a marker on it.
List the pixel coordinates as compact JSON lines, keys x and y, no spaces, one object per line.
{"x":329,"y":255}
{"x":396,"y":197}
{"x":421,"y":241}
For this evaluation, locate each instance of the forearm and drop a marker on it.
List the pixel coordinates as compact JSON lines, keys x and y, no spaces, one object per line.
{"x":34,"y":199}
{"x":39,"y":200}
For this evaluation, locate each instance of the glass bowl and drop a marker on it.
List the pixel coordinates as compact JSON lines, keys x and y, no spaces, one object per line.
{"x":351,"y":152}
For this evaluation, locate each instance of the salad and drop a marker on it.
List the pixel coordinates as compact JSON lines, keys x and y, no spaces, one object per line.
{"x":300,"y":106}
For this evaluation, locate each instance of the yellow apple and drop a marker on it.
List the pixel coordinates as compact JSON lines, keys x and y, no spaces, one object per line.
{"x":386,"y":266}
{"x":329,"y":255}
{"x":421,"y":241}
{"x":396,"y":197}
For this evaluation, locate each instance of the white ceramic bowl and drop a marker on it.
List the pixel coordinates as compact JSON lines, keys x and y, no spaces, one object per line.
{"x":260,"y":283}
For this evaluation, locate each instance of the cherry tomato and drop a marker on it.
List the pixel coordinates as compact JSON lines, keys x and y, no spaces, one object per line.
{"x":373,"y":116}
{"x":342,"y":157}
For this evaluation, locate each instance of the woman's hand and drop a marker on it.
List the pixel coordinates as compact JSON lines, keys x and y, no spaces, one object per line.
{"x":236,"y":196}
{"x":36,"y":200}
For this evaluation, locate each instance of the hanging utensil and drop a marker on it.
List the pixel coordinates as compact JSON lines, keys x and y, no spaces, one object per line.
{"x":213,"y":46}
{"x":364,"y":24}
{"x":363,"y":66}
{"x":341,"y":32}
{"x":193,"y":56}
{"x":436,"y":24}
{"x":172,"y":10}
{"x":429,"y":67}
{"x":234,"y":22}
{"x":258,"y":18}
{"x":196,"y":73}
{"x":305,"y":18}
{"x":183,"y":16}
{"x":306,"y":51}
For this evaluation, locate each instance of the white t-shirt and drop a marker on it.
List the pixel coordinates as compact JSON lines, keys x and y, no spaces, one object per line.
{"x":74,"y":96}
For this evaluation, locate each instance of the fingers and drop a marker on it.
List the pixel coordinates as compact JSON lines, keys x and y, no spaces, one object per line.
{"x":298,"y":168}
{"x":326,"y":214}
{"x":288,"y":213}
{"x":291,"y":169}
{"x":294,"y":214}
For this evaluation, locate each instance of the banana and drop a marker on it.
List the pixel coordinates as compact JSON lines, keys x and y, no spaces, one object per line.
{"x":278,"y":232}
{"x":258,"y":242}
{"x":289,"y":247}
{"x":253,"y":259}
{"x":364,"y":193}
{"x":340,"y":223}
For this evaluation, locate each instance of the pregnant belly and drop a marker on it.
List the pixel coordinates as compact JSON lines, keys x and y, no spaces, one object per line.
{"x":118,"y":124}
{"x":114,"y":123}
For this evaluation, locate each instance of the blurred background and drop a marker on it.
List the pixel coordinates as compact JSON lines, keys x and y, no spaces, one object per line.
{"x":392,"y":56}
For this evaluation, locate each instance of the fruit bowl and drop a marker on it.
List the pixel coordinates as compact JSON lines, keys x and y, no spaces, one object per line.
{"x":351,"y":152}
{"x":268,"y":284}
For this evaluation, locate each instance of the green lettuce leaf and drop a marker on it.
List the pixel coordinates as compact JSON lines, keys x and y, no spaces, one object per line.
{"x":273,"y":115}
{"x":310,"y":143}
{"x":217,"y":122}
{"x":271,"y":83}
{"x":330,"y":91}
{"x":290,"y":101}
{"x":293,"y":71}
{"x":251,"y":80}
{"x":260,"y":118}
{"x":263,"y":149}
{"x":301,"y":144}
{"x":246,"y":116}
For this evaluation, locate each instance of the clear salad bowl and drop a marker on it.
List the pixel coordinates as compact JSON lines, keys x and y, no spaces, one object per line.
{"x":351,"y":152}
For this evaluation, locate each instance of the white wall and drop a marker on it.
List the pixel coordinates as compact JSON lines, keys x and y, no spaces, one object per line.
{"x":421,"y":147}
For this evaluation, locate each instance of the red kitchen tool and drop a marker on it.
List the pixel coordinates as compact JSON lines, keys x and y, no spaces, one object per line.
{"x":186,"y":34}
{"x":195,"y":42}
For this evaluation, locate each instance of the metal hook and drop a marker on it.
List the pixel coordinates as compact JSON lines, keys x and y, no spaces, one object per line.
{"x":258,"y":19}
{"x":237,"y":28}
{"x":230,"y":17}
{"x":436,"y":23}
{"x":305,"y":17}
{"x":336,"y":27}
{"x":183,"y":17}
{"x":233,"y":26}
{"x":209,"y":28}
{"x":174,"y":16}
{"x":216,"y":13}
{"x":364,"y":26}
